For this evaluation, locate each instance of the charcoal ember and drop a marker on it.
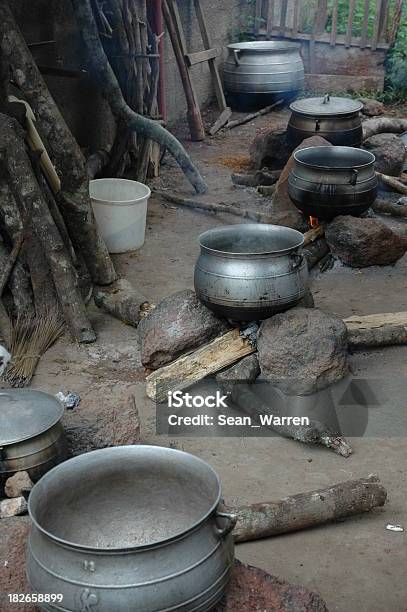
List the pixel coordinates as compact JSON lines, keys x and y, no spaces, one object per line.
{"x":245,"y":370}
{"x":284,"y":212}
{"x":18,"y":484}
{"x":12,"y":507}
{"x":254,"y":589}
{"x":371,"y":107}
{"x":390,"y":153}
{"x":270,"y":149}
{"x":364,"y":242}
{"x":179,"y":323}
{"x":303,"y":350}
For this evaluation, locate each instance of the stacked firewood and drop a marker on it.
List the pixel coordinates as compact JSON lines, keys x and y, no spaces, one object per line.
{"x":51,"y":253}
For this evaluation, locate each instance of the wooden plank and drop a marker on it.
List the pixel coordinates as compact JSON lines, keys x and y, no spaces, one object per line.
{"x":258,"y":15}
{"x":217,"y":83}
{"x":296,"y":16}
{"x":221,"y":121}
{"x":334,"y":28}
{"x":376,"y":27}
{"x":201,"y":56}
{"x":283,"y":16}
{"x":190,"y":369}
{"x":270,"y":17}
{"x":326,"y":38}
{"x":375,"y":321}
{"x":350,"y":23}
{"x":365,"y":25}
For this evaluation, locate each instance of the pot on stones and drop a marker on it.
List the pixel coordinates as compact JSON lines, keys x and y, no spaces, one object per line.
{"x":31,"y":435}
{"x":263,"y":67}
{"x":329,"y":181}
{"x":249,"y":272}
{"x":337,"y":120}
{"x":130,"y":528}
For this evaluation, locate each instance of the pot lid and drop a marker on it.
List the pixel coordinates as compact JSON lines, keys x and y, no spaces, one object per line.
{"x":326,"y":105}
{"x":25,"y":414}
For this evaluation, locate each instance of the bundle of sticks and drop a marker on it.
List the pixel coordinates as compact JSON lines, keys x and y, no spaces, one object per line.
{"x":51,"y":252}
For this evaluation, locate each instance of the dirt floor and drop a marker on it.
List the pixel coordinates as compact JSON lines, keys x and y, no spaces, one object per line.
{"x":354,"y":565}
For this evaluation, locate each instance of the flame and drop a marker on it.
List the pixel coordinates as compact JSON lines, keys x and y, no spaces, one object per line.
{"x":313,"y":222}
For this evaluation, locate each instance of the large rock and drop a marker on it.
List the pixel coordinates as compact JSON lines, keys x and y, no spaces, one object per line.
{"x":18,"y":484}
{"x":12,"y":507}
{"x":178,"y":324}
{"x":253,"y":589}
{"x":303,"y":350}
{"x":270,"y":149}
{"x":364,"y":242}
{"x":371,"y":107}
{"x":389,"y":151}
{"x":284,"y":212}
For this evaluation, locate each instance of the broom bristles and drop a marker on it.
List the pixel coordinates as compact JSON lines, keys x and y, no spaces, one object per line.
{"x":30,"y":339}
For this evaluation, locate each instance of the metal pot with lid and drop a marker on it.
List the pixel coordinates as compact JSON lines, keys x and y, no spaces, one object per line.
{"x":335,"y":119}
{"x":31,"y":435}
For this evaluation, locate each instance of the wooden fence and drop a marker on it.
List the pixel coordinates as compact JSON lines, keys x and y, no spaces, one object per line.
{"x":285,"y":19}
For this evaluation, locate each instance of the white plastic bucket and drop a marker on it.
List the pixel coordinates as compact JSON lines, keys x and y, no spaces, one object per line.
{"x":120,"y":208}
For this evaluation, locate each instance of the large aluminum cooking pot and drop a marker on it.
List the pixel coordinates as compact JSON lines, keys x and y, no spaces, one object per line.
{"x":251,"y":271}
{"x":330,"y":181}
{"x":263,"y":67}
{"x":31,"y":434}
{"x":335,"y":119}
{"x":130,"y":529}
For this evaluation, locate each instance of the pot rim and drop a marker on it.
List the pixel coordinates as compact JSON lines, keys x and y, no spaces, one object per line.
{"x":262,"y":227}
{"x":36,"y":492}
{"x":349,"y":166}
{"x":264,"y":46}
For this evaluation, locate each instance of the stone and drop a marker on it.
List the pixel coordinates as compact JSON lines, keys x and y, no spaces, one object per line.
{"x":372,"y":108}
{"x":303,"y":350}
{"x":390,"y":153}
{"x":18,"y":484}
{"x":180,"y":323}
{"x":12,"y":507}
{"x":283,"y":210}
{"x":254,"y":589}
{"x":362,"y":242}
{"x":270,"y":149}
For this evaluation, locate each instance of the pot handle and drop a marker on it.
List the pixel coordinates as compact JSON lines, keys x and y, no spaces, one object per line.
{"x":326,"y":99}
{"x":317,"y":125}
{"x":354,"y":177}
{"x":236,"y":56}
{"x":297,"y":261}
{"x":231,"y":519}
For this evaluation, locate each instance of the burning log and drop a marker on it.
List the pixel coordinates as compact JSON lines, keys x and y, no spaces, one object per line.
{"x":315,"y":433}
{"x":305,"y":510}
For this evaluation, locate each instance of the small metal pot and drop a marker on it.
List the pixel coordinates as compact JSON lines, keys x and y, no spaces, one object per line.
{"x":31,"y":435}
{"x":335,"y":119}
{"x":130,"y":528}
{"x":329,"y":181}
{"x":249,"y":272}
{"x":263,"y":67}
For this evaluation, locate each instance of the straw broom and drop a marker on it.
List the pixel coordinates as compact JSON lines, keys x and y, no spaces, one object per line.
{"x":30,"y":339}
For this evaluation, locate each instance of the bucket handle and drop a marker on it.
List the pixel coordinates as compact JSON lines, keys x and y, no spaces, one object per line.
{"x":231,"y":520}
{"x":236,"y":56}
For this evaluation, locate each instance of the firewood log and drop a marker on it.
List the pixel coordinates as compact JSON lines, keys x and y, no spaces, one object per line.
{"x":63,"y":150}
{"x":398,"y":209}
{"x":305,"y":510}
{"x":18,"y":279}
{"x":393,"y":183}
{"x":369,"y":331}
{"x":30,"y":198}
